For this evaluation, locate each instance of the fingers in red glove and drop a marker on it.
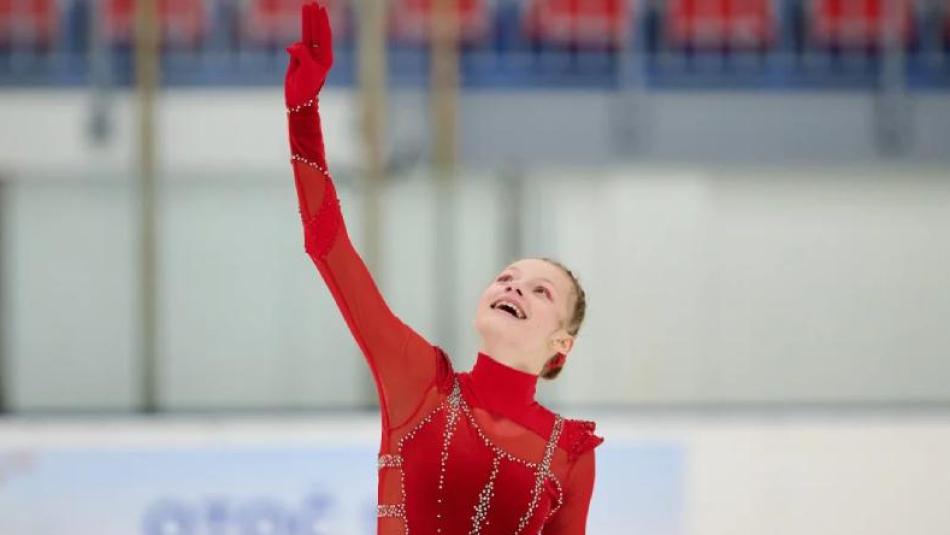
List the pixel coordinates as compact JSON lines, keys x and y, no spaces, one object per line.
{"x":298,"y":53}
{"x":324,"y":35}
{"x":306,"y":31}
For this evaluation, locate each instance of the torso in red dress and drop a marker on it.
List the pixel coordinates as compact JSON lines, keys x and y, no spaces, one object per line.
{"x":484,"y":457}
{"x":460,"y":452}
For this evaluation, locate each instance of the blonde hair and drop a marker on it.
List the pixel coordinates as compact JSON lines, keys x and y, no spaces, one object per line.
{"x":576,"y":318}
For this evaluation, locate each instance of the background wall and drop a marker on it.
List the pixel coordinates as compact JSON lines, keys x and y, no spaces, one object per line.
{"x":723,"y":282}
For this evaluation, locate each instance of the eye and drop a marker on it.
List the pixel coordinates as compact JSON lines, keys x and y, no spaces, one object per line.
{"x":504,"y":278}
{"x":544,"y":291}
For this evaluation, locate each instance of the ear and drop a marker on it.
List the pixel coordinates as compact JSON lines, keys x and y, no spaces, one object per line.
{"x":562,"y":342}
{"x":568,"y":344}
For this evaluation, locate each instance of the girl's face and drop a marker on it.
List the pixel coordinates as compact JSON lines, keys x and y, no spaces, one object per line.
{"x":525,"y":310}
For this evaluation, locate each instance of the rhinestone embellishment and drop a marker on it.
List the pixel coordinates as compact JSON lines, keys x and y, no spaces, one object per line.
{"x":391,"y":511}
{"x":488,"y":442}
{"x":315,"y":165}
{"x":453,"y":399}
{"x":484,"y":498}
{"x":301,"y":107}
{"x":388,"y":460}
{"x":452,"y":406}
{"x":542,"y":473}
{"x":560,"y":495}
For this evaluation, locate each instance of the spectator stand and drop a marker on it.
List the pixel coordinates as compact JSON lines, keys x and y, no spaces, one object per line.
{"x":30,"y":36}
{"x":763,"y":44}
{"x":699,"y":43}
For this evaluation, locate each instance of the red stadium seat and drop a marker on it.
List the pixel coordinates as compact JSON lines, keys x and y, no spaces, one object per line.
{"x":946,"y":24}
{"x":856,"y":23}
{"x":582,"y":23}
{"x":28,"y":22}
{"x":277,"y":22}
{"x":411,"y":20}
{"x":720,"y":23}
{"x":183,"y":22}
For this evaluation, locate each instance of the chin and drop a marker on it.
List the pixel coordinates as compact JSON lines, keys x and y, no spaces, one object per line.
{"x":498,"y":329}
{"x":488,"y":326}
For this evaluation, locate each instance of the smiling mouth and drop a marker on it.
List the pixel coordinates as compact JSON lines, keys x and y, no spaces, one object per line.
{"x":510,"y":309}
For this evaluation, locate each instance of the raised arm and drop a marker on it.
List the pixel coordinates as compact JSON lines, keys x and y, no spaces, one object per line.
{"x":403,"y":364}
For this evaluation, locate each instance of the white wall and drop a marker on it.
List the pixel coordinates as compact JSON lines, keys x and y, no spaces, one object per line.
{"x":747,"y":285}
{"x":717,"y":284}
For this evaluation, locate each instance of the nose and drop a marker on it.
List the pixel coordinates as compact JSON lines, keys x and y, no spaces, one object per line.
{"x":516,"y":289}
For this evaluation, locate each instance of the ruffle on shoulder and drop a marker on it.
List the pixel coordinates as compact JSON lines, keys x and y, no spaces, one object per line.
{"x":578,"y":437}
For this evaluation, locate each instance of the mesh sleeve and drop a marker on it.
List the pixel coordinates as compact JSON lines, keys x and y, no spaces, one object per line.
{"x":571,"y":518}
{"x":404,"y":365}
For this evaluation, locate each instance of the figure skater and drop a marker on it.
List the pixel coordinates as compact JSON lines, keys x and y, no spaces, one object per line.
{"x":460,"y":452}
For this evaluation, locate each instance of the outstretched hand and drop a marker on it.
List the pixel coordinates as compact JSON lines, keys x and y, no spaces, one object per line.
{"x":310,"y":58}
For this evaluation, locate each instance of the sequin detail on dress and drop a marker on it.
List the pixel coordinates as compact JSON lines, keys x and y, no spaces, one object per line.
{"x":391,"y":511}
{"x":389,"y":461}
{"x":542,"y":473}
{"x":453,"y":405}
{"x":484,"y":497}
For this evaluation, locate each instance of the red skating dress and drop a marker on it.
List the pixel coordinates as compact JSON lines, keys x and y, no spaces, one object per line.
{"x":460,"y":452}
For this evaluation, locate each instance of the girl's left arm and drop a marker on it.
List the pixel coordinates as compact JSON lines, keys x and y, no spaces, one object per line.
{"x":571,"y":518}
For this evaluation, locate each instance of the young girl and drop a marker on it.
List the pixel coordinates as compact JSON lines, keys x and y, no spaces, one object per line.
{"x":460,"y":452}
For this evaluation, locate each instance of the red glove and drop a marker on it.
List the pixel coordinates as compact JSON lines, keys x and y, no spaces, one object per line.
{"x":310,"y":58}
{"x":310,"y":61}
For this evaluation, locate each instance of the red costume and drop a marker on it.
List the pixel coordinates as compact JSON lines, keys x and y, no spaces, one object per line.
{"x":460,"y":452}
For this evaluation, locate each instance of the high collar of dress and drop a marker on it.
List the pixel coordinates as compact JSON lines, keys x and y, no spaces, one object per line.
{"x":506,"y":390}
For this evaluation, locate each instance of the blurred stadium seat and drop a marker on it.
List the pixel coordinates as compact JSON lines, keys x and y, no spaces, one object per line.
{"x":410,"y":20}
{"x":184,"y":23}
{"x":28,"y":23}
{"x":734,"y":24}
{"x":853,"y":24}
{"x":581,"y":23}
{"x":506,"y":43}
{"x":276,"y":23}
{"x":946,"y":24}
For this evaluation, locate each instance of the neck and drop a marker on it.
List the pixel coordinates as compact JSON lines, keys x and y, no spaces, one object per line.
{"x":510,"y":357}
{"x":504,"y":388}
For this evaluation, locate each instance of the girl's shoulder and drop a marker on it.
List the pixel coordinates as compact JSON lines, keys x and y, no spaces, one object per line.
{"x":577,"y":436}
